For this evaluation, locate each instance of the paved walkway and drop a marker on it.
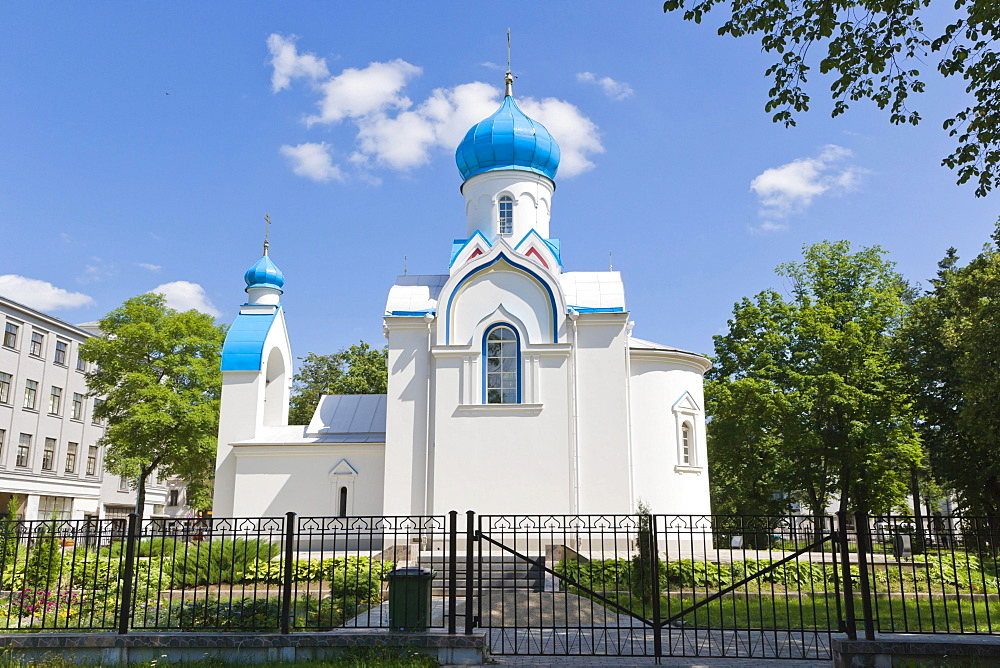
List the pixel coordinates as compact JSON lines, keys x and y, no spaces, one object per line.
{"x":670,"y":662}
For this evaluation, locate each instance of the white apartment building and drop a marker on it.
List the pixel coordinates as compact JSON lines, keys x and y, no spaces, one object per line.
{"x":50,"y":460}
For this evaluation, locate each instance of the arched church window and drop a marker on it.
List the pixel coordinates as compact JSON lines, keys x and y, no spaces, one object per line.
{"x":506,"y":216}
{"x":342,"y":505}
{"x":686,"y":444}
{"x":502,"y":368}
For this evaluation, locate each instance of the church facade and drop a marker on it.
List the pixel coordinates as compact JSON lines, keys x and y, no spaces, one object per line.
{"x":514,"y":387}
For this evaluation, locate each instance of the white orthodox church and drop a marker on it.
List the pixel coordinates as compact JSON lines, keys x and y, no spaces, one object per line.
{"x":514,"y":387}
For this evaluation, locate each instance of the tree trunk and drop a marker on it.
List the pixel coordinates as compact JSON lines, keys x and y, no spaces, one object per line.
{"x":140,"y":494}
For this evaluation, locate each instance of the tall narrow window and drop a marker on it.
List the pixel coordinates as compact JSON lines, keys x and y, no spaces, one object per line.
{"x":3,"y":438}
{"x":502,"y":366}
{"x":5,"y":379}
{"x":77,"y":413}
{"x":37,"y":344}
{"x":80,"y":364}
{"x":30,"y":394}
{"x":48,"y":454}
{"x":686,"y":444}
{"x":55,"y":401}
{"x":342,"y":505}
{"x":10,"y":335}
{"x":71,"y":449}
{"x":92,"y":460}
{"x":506,"y":216}
{"x":61,"y":349}
{"x":24,"y":450}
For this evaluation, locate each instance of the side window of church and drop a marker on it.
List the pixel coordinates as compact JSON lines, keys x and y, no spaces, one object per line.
{"x":686,"y":444}
{"x":506,"y":215}
{"x":342,"y":503}
{"x":501,"y":366}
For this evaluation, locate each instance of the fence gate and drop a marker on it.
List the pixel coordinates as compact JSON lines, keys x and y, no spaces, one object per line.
{"x":657,"y":585}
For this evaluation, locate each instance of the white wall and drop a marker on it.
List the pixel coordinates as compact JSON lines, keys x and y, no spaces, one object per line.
{"x":532,"y":195}
{"x":659,"y":379}
{"x":274,"y":479}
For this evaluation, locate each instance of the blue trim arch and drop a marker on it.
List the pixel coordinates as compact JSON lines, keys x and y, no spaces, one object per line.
{"x":244,"y":344}
{"x":517,"y":340}
{"x":526,"y":270}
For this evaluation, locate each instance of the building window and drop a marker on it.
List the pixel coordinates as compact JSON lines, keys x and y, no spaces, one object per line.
{"x":502,"y":366}
{"x":30,"y":394}
{"x":173,"y":498}
{"x":61,"y":349}
{"x":3,"y":439}
{"x":5,"y":380}
{"x":92,"y":460}
{"x":77,"y":407}
{"x":80,"y":364}
{"x":37,"y":344}
{"x":55,"y":507}
{"x":55,"y":401}
{"x":686,"y":443}
{"x":123,"y":484}
{"x":342,"y":505}
{"x":48,"y":454}
{"x":506,"y":216}
{"x":24,"y":450}
{"x":97,"y":404}
{"x":10,"y":335}
{"x":71,"y":449}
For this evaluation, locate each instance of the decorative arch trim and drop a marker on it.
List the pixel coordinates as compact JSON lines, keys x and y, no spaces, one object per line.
{"x":527,"y":270}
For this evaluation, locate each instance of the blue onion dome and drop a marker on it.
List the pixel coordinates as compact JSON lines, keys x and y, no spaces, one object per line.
{"x":264,"y":274}
{"x":508,"y":140}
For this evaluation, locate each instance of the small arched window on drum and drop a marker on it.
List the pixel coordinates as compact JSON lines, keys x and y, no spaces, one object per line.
{"x":506,"y":216}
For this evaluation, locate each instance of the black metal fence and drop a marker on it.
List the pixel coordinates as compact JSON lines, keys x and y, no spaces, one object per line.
{"x":621,"y":585}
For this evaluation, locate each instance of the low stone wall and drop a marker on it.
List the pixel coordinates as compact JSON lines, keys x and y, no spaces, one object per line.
{"x":909,"y":649}
{"x":112,"y":649}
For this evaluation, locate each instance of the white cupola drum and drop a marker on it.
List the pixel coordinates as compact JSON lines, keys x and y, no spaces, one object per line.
{"x":508,"y":162}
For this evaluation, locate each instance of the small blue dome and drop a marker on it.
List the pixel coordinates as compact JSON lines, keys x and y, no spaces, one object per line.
{"x":508,"y":140}
{"x":264,"y":274}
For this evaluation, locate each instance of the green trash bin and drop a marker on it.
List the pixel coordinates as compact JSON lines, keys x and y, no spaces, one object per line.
{"x":410,"y":598}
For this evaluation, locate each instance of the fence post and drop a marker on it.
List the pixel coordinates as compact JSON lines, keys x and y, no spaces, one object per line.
{"x":864,"y":550}
{"x":452,"y":570}
{"x":845,"y":563}
{"x":654,"y":580}
{"x":470,"y":539}
{"x":131,"y":534}
{"x":286,"y":577}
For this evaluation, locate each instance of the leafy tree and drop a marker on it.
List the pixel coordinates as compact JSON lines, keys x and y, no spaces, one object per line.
{"x":805,"y":399}
{"x":875,"y":50}
{"x":158,"y":372}
{"x":951,"y":344}
{"x":359,"y":369}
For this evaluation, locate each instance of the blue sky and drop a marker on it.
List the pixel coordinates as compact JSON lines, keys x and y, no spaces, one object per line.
{"x":142,"y":144}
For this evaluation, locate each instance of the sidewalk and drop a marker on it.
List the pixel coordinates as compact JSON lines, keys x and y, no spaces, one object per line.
{"x":670,"y":662}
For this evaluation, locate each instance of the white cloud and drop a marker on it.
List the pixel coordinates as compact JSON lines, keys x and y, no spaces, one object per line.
{"x":577,"y":135}
{"x":616,"y":90}
{"x":40,"y":294}
{"x":184,"y":296}
{"x":288,"y":64}
{"x":150,"y":267}
{"x":65,"y":238}
{"x":792,"y":187}
{"x":394,"y":132}
{"x":312,"y":161}
{"x":356,"y":93}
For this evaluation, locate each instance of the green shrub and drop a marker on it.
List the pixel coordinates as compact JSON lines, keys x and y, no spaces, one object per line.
{"x":220,"y":561}
{"x":151,"y":547}
{"x":262,"y":614}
